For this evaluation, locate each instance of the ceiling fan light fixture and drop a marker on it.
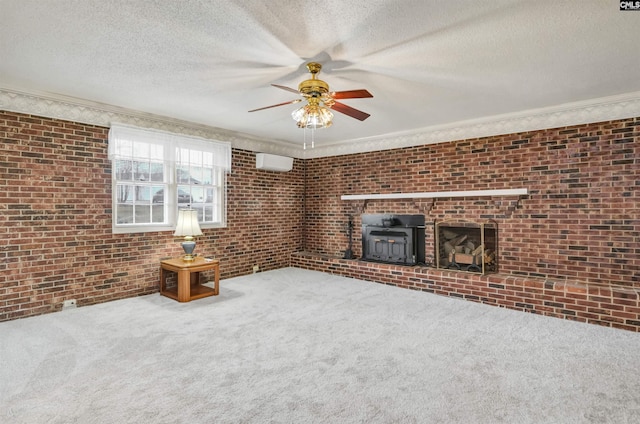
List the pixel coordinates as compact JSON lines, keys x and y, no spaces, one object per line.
{"x":313,"y":116}
{"x":317,"y":113}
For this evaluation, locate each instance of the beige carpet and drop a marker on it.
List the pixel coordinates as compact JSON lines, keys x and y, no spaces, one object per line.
{"x":296,"y":346}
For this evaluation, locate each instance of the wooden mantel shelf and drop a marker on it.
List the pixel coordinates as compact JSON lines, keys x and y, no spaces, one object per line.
{"x":437,"y":194}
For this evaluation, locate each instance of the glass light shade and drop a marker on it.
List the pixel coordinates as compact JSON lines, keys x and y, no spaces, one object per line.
{"x":312,"y":116}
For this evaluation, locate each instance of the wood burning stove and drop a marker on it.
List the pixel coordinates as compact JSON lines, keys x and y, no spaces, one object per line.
{"x":396,"y":239}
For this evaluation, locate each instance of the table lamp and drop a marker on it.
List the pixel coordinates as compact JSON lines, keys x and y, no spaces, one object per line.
{"x":188,"y":227}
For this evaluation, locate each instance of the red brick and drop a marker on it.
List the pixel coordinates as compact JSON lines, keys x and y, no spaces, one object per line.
{"x":55,"y":177}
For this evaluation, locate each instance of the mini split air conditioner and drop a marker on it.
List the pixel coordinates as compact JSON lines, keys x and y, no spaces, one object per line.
{"x":273,"y":162}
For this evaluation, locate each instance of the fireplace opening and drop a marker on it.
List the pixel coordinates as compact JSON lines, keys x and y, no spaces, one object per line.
{"x":467,"y":246}
{"x":396,"y":239}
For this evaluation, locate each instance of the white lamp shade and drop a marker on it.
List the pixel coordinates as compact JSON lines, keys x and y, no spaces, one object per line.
{"x":188,"y":223}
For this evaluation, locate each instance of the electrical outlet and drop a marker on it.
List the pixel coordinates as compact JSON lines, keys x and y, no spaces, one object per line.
{"x":256,"y":268}
{"x":68,"y":304}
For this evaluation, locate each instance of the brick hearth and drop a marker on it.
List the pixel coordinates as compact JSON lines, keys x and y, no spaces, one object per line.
{"x":610,"y":306}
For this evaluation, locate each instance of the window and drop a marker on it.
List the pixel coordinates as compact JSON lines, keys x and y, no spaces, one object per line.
{"x":155,"y":173}
{"x":200,"y":185}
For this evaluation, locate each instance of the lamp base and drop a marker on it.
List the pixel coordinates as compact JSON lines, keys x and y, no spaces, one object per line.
{"x":188,"y":247}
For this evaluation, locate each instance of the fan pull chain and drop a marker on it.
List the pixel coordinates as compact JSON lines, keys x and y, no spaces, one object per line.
{"x":313,"y":138}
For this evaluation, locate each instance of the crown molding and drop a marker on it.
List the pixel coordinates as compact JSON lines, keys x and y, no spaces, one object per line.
{"x":100,"y":114}
{"x":602,"y":109}
{"x":77,"y":110}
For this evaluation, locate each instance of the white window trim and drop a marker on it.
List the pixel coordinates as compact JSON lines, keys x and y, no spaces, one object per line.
{"x":169,"y":141}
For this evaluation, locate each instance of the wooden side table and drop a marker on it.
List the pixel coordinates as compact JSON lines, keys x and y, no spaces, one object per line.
{"x":189,"y":287}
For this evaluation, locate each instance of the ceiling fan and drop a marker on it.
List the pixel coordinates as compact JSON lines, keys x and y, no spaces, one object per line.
{"x":315,"y":113}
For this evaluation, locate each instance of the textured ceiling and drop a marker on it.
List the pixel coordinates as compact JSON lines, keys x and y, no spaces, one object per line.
{"x":427,"y":62}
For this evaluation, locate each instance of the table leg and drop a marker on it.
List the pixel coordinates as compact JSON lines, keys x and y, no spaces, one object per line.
{"x":195,"y":278}
{"x":216,"y":284}
{"x":184,"y":286}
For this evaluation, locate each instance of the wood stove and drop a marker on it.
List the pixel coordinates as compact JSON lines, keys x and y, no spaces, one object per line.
{"x":396,"y":239}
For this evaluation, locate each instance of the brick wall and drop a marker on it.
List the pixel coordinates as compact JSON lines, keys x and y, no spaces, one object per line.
{"x":570,"y":248}
{"x":55,"y":226}
{"x":610,"y":306}
{"x":579,"y":224}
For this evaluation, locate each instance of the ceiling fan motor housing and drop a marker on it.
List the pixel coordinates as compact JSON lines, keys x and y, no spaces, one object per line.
{"x":313,"y":87}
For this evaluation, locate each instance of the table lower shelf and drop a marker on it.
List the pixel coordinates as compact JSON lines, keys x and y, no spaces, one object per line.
{"x":196,"y":292}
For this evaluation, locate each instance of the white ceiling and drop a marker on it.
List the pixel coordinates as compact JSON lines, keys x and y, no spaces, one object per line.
{"x":428,"y":63}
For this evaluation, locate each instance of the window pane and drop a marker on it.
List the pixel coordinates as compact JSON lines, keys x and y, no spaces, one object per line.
{"x":142,"y":214}
{"x":157,"y":213}
{"x":142,"y":171}
{"x":207,"y":176}
{"x":182,"y":174}
{"x":143,"y":194}
{"x":156,"y":172}
{"x":200,"y":213}
{"x":123,"y":170}
{"x":197,"y":194}
{"x":196,"y":175}
{"x":208,"y":213}
{"x":209,"y":198}
{"x":124,"y":193}
{"x":184,"y":196}
{"x":124,"y":213}
{"x":157,"y":193}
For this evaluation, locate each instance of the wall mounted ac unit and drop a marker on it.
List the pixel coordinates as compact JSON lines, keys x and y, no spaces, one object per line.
{"x":276,"y":163}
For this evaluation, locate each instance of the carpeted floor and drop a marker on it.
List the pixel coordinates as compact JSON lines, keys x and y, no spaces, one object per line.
{"x":296,"y":346}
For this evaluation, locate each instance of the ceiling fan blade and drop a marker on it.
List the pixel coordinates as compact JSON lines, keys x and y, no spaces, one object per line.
{"x":279,"y":104}
{"x":351,"y":94}
{"x":348,"y":110}
{"x":293,"y":90}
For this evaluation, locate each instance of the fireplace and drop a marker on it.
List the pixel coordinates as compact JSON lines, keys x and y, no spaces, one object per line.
{"x":396,"y":239}
{"x":467,"y":246}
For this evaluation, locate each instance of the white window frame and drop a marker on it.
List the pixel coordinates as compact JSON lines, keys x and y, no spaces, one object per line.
{"x":197,"y":184}
{"x":122,"y":146}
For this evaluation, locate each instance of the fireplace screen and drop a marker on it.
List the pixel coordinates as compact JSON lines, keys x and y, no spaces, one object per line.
{"x":467,"y":246}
